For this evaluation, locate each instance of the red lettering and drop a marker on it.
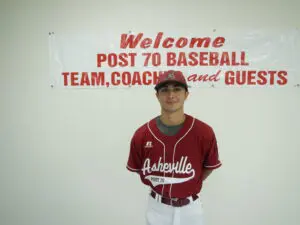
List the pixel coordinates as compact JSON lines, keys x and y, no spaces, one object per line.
{"x":166,"y":43}
{"x":171,"y":61}
{"x":148,"y":55}
{"x":114,"y":80}
{"x":145,"y":80}
{"x":123,"y":59}
{"x":157,"y":39}
{"x":112,"y":60}
{"x":132,"y":41}
{"x":200,"y":42}
{"x":203,"y":59}
{"x":182,"y":42}
{"x":156,"y":59}
{"x":229,"y":77}
{"x":204,"y":77}
{"x":125,"y":40}
{"x":215,"y":77}
{"x":156,"y":76}
{"x":241,"y":77}
{"x":181,"y":59}
{"x":100,"y":58}
{"x":146,"y":43}
{"x":126,"y":78}
{"x":218,"y":42}
{"x":225,"y":60}
{"x":282,"y":76}
{"x":193,"y":60}
{"x":251,"y":77}
{"x":213,"y":59}
{"x":192,"y":77}
{"x":84,"y":79}
{"x":272,"y":78}
{"x":262,"y":79}
{"x":132,"y":58}
{"x":243,"y":59}
{"x":74,"y":78}
{"x":65,"y":74}
{"x":136,"y":79}
{"x":98,"y":78}
{"x":233,"y":59}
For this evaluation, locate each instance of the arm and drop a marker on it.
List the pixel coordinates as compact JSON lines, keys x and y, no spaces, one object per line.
{"x":211,"y":161}
{"x":206,"y":173}
{"x":134,"y":163}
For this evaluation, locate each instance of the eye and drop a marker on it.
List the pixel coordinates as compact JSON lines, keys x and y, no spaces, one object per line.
{"x":177,"y":89}
{"x":164,"y":90}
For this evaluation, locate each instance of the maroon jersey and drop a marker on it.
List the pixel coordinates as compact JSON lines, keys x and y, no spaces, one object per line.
{"x":173,"y":165}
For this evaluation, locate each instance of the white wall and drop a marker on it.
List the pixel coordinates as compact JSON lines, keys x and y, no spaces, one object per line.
{"x":63,"y":152}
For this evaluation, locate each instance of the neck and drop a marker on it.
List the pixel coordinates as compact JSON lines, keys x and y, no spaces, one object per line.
{"x":172,"y":118}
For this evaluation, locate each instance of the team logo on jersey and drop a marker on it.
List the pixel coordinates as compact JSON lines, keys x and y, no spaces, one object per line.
{"x":179,"y":167}
{"x":148,"y":144}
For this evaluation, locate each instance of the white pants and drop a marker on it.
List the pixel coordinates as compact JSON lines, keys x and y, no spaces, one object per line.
{"x":158,"y":213}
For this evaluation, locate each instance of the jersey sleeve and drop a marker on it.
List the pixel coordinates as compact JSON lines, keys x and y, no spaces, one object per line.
{"x":134,"y":163}
{"x":211,"y":160}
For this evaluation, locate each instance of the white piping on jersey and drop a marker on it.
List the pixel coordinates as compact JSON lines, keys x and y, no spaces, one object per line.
{"x":175,"y":150}
{"x":213,"y":166}
{"x":164,"y":150}
{"x":132,"y":168}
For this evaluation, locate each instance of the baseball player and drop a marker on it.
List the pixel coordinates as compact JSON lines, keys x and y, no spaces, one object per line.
{"x":173,"y":154}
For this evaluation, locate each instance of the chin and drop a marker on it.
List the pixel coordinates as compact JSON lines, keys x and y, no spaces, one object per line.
{"x":171,"y":109}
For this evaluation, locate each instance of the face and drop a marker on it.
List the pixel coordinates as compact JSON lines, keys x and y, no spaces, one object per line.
{"x":171,"y":97}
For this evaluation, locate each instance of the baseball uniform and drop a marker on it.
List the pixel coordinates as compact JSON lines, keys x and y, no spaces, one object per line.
{"x":172,"y":166}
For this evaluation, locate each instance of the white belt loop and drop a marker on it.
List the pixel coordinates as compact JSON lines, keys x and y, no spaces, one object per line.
{"x":157,"y":197}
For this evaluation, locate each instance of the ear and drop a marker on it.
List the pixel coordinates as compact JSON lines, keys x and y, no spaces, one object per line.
{"x":186,"y":95}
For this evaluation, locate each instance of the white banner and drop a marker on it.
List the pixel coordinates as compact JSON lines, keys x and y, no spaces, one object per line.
{"x":211,"y":59}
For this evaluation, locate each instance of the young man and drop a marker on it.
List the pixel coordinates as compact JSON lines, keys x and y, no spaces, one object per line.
{"x":173,"y":154}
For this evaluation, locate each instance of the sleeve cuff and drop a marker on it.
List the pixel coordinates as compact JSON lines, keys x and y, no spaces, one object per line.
{"x":213,"y":166}
{"x":132,"y":169}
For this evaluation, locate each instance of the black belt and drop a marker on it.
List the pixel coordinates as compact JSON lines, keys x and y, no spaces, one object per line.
{"x":174,"y":202}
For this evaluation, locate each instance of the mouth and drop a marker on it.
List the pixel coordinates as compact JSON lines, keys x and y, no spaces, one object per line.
{"x":171,"y":103}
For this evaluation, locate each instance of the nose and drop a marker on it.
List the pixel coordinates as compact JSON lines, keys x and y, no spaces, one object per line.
{"x":171,"y":93}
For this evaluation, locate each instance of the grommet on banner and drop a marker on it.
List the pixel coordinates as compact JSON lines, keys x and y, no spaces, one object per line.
{"x":51,"y":33}
{"x":212,"y":85}
{"x":297,"y":85}
{"x":214,"y":30}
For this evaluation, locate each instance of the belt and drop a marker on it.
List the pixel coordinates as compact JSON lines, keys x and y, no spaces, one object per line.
{"x":177,"y":202}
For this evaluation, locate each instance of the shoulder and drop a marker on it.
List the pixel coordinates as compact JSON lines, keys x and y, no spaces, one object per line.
{"x":202,"y":128}
{"x":142,"y":130}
